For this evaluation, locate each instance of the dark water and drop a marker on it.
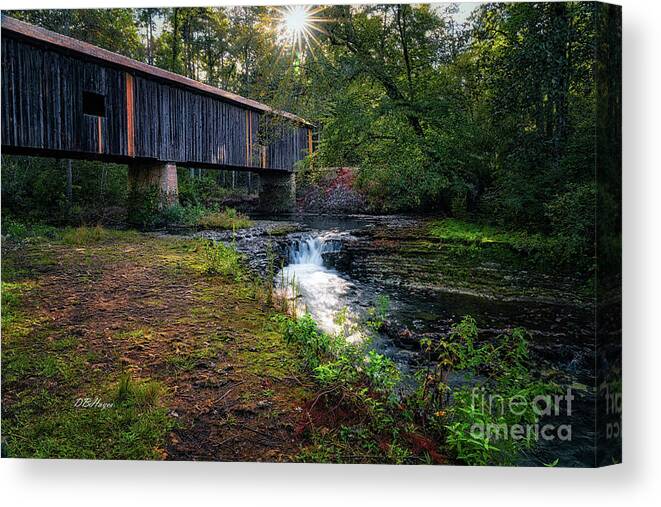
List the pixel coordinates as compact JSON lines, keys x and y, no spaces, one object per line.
{"x":374,"y":256}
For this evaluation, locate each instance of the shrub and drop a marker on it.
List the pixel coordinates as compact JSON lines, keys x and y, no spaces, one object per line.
{"x":500,"y":371}
{"x":572,"y":218}
{"x":228,"y":219}
{"x":143,"y":207}
{"x":315,"y":346}
{"x":182,"y":215}
{"x":20,"y":230}
{"x":376,"y":315}
{"x":223,"y":260}
{"x":381,"y":371}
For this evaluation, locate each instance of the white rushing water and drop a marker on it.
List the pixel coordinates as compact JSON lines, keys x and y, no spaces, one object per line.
{"x":321,"y":291}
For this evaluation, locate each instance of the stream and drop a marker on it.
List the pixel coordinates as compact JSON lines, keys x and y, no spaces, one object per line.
{"x":345,"y":263}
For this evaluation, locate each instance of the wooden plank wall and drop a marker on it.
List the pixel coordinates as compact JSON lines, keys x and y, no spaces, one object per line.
{"x":144,"y":118}
{"x":184,"y":126}
{"x":42,"y":102}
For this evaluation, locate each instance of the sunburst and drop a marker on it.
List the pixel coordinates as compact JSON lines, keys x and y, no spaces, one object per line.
{"x":297,"y":25}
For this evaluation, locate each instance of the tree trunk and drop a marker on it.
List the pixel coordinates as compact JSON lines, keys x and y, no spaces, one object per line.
{"x":175,"y":35}
{"x":69,"y":180}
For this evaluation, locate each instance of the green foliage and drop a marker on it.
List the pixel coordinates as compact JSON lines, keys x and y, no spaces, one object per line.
{"x":572,"y":248}
{"x":382,"y":372}
{"x":334,"y":361}
{"x":34,"y":191}
{"x":144,"y":207}
{"x":199,"y":216}
{"x":478,"y":432}
{"x":111,"y":29}
{"x":571,"y":215}
{"x":223,"y":260}
{"x":341,"y":371}
{"x":376,"y":315}
{"x":359,"y":377}
{"x":182,"y":215}
{"x":19,"y":230}
{"x":229,"y":219}
{"x":494,"y":119}
{"x":536,"y":59}
{"x":315,"y":346}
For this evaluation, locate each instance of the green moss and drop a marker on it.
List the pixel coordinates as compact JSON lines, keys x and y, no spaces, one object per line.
{"x":81,"y":236}
{"x":482,"y":241}
{"x":188,"y":361}
{"x":283,"y":230}
{"x":15,"y":323}
{"x":460,"y":230}
{"x":266,"y":353}
{"x":124,"y":430}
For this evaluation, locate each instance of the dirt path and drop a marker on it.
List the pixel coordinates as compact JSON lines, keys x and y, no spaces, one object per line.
{"x":141,"y":306}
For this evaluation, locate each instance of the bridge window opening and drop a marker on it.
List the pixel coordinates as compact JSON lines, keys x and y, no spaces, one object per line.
{"x":94,"y":104}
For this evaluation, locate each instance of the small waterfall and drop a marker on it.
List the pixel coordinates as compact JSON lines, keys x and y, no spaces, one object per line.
{"x":320,"y":290}
{"x":310,"y":250}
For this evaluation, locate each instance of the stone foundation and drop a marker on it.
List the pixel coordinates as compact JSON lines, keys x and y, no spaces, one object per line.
{"x":277,"y":192}
{"x":152,"y":188}
{"x":144,"y":177}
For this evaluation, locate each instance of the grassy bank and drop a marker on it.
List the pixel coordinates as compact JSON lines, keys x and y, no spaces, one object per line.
{"x":120,"y":345}
{"x":539,"y":250}
{"x":364,"y":414}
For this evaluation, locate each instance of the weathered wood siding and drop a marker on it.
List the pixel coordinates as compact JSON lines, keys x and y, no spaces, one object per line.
{"x":184,"y":126}
{"x":42,"y":102}
{"x":42,"y":110}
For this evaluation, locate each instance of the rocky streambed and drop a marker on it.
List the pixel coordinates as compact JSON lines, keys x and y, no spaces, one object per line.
{"x":431,"y":285}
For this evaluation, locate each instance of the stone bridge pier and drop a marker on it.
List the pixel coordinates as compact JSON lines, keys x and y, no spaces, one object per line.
{"x":153,"y":187}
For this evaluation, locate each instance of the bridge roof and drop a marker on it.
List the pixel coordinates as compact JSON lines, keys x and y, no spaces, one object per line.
{"x":26,"y":30}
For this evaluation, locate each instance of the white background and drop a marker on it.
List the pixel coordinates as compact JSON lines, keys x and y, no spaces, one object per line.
{"x":636,"y":482}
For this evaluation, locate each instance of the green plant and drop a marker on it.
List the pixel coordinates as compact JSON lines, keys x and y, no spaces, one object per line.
{"x":223,"y":260}
{"x":21,"y":230}
{"x":377,"y":314}
{"x":144,"y":207}
{"x":481,"y":422}
{"x":381,"y":372}
{"x":228,"y":219}
{"x":314,"y":344}
{"x":270,"y":272}
{"x":140,"y":394}
{"x":340,"y":371}
{"x":182,"y":215}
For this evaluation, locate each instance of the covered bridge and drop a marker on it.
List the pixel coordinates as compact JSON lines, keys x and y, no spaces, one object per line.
{"x":69,"y":99}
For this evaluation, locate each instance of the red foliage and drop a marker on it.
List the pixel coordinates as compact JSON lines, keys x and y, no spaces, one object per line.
{"x":345,"y":178}
{"x":322,"y":413}
{"x":420,"y":443}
